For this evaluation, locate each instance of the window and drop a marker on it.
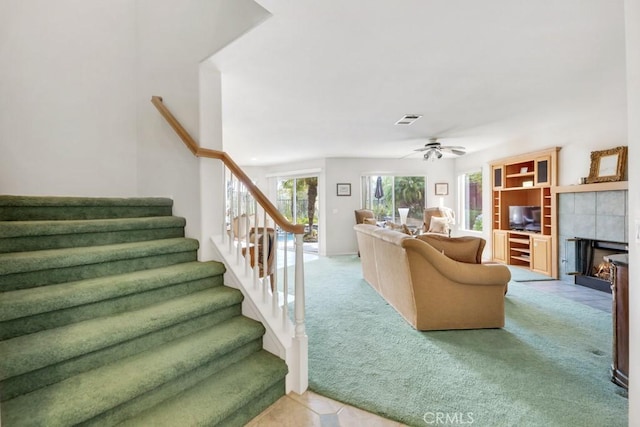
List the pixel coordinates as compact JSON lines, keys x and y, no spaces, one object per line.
{"x":470,"y":200}
{"x":384,"y":194}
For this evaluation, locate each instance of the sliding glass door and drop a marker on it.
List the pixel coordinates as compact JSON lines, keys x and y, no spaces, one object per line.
{"x":297,"y":200}
{"x":385,"y":194}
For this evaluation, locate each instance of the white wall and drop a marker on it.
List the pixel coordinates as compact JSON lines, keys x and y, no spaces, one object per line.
{"x":173,"y":39}
{"x":76,"y":79}
{"x":632,"y":16}
{"x":67,"y":91}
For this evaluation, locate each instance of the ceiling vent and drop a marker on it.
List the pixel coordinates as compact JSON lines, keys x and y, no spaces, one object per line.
{"x":408,"y":119}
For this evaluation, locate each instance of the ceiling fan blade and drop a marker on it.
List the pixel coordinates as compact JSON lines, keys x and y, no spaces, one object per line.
{"x":406,"y":155}
{"x":458,"y":152}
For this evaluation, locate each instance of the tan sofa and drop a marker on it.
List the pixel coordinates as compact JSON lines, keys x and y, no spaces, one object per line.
{"x":430,"y":290}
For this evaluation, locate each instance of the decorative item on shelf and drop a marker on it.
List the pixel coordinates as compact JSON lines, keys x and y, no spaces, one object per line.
{"x":442,"y":189}
{"x":403,"y":215}
{"x":524,"y":169}
{"x":343,"y":189}
{"x":527,"y":183}
{"x":608,"y":165}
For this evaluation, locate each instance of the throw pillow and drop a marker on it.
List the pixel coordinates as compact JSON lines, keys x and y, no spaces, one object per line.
{"x":370,"y":221}
{"x":439,"y":225}
{"x":464,"y":249}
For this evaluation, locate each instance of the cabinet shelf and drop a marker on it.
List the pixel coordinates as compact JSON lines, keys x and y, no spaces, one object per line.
{"x":520,"y":175}
{"x":517,"y":240}
{"x":521,"y":258}
{"x":523,"y":250}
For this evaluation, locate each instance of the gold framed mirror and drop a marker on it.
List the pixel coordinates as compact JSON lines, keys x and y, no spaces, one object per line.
{"x":608,"y":165}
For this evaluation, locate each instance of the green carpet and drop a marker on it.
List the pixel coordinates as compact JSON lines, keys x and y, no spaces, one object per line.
{"x":106,"y":316}
{"x":549,"y":365}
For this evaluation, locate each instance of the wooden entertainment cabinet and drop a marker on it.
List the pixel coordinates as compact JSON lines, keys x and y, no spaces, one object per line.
{"x":526,"y":180}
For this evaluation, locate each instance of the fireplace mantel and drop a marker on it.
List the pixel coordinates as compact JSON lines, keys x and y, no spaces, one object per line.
{"x":600,"y":186}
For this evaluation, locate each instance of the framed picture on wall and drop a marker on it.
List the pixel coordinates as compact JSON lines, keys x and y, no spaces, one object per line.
{"x":442,"y":189}
{"x":608,"y":165}
{"x":343,"y":189}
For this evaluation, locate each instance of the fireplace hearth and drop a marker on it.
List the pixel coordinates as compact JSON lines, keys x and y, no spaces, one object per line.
{"x":592,"y":270}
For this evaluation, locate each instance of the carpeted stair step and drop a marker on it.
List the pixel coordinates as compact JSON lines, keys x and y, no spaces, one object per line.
{"x":31,"y":208}
{"x":33,"y":380}
{"x":229,"y":398}
{"x":106,"y":316}
{"x":41,"y":349}
{"x":19,"y":270}
{"x":21,"y":236}
{"x":139,"y":377}
{"x":31,"y":310}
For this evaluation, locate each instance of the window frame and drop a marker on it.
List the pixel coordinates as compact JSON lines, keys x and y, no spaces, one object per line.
{"x":462,"y":200}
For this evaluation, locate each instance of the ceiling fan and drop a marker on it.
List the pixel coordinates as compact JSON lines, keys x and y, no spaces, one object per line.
{"x":433,"y":149}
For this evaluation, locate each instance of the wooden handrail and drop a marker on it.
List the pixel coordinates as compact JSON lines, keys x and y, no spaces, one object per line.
{"x":193,"y":146}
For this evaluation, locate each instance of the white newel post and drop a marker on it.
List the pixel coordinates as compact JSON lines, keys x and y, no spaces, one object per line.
{"x":300,"y":340}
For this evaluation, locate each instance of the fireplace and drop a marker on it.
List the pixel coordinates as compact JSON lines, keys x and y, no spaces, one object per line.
{"x":592,"y":270}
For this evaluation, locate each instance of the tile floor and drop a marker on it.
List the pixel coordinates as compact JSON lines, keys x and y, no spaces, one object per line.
{"x":313,"y":410}
{"x":591,"y":297}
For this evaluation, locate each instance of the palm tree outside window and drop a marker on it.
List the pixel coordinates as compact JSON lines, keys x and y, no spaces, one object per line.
{"x":384,"y":194}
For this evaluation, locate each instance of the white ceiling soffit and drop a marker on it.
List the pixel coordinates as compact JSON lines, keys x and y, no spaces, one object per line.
{"x":331,"y":78}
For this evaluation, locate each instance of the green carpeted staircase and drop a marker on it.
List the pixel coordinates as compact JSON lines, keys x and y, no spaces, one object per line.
{"x":107,"y":317}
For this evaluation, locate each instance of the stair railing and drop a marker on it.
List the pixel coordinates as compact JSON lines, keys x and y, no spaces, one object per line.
{"x":252,"y":231}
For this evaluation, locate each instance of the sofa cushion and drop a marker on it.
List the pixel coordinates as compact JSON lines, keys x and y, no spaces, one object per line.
{"x":370,"y":221}
{"x":464,"y":249}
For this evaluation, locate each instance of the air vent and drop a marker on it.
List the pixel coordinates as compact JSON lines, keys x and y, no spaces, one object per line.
{"x":408,"y":119}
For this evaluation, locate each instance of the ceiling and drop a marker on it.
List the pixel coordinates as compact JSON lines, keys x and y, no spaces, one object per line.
{"x":330,"y":78}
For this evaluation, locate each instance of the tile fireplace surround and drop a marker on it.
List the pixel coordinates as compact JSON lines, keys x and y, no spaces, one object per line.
{"x":597,"y":215}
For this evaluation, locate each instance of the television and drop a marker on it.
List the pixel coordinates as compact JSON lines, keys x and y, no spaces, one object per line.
{"x":524,"y":218}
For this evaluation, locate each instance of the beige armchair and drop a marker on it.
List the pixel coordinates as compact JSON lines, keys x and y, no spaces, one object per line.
{"x":362,"y":215}
{"x":444,"y":218}
{"x":365,"y":216}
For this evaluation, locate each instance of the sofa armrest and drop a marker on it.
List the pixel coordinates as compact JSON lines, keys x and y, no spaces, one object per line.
{"x":460,"y":272}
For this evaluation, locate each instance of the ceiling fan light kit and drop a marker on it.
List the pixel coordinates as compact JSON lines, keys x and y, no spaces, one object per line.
{"x":432,"y":154}
{"x":433,"y":150}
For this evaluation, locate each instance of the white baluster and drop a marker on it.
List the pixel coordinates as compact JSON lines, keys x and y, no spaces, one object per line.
{"x":239,"y":203}
{"x":247,"y":229}
{"x":265,"y":243}
{"x":231,"y":208}
{"x":225,"y":203}
{"x":256,"y":268}
{"x":274,"y":284}
{"x":285,"y":283}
